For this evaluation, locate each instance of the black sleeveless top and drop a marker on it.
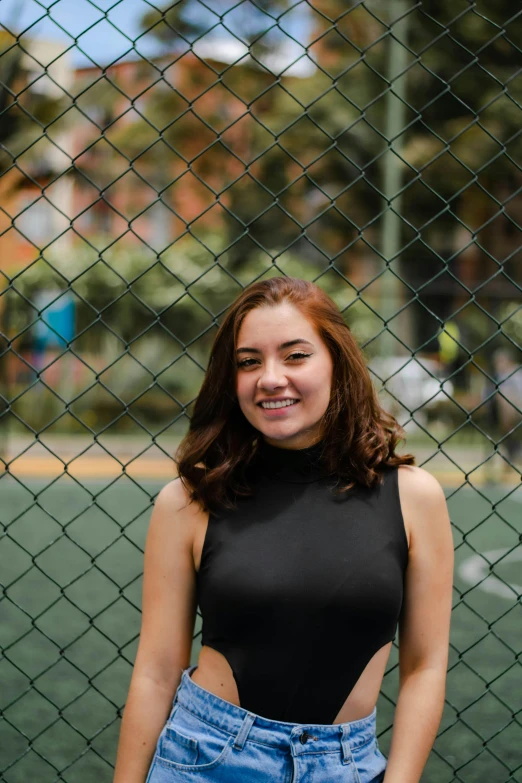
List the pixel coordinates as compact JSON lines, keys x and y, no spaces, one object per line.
{"x":298,"y":589}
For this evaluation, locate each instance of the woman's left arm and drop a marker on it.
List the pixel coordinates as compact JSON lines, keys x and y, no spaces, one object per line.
{"x":424,"y":625}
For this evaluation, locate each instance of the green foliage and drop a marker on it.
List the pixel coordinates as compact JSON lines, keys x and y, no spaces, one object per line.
{"x":148,"y":314}
{"x":185,"y":289}
{"x":24,"y":111}
{"x":186,"y":21}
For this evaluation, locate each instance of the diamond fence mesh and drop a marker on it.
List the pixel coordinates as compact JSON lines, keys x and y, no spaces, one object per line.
{"x":156,"y":159}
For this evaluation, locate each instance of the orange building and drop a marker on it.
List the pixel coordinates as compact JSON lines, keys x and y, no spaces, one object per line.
{"x":116,"y":170}
{"x":159,"y":147}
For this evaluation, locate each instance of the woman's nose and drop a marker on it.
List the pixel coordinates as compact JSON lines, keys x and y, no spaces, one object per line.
{"x":272,"y":375}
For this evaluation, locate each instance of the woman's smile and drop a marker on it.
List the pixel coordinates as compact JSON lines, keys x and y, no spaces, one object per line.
{"x":281,"y":410}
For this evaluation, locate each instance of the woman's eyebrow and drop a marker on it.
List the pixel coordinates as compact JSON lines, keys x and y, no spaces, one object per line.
{"x":279,"y":347}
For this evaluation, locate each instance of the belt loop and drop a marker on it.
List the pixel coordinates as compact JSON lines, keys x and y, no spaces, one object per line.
{"x":183,"y":679}
{"x":188,"y":671}
{"x":346,"y":750}
{"x":244,"y":730}
{"x":175,"y":706}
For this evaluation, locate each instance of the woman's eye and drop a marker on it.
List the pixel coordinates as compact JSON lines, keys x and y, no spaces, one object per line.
{"x":296,"y":355}
{"x":300,"y":355}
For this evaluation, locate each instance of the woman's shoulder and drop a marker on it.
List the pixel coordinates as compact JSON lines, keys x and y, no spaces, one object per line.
{"x":418,"y":482}
{"x":421,"y":497}
{"x":178,"y":521}
{"x":175,"y":493}
{"x":174,"y":501}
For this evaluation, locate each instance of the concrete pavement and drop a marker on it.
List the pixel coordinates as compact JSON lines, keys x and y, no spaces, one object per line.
{"x":113,"y":455}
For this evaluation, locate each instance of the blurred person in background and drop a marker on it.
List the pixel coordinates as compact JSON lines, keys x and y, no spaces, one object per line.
{"x":452,"y":355}
{"x":507,"y":402}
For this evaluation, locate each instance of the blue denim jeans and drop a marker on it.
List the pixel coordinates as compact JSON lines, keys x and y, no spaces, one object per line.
{"x":207,"y":739}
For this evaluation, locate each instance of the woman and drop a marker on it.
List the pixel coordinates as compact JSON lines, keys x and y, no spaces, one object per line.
{"x":304,"y":539}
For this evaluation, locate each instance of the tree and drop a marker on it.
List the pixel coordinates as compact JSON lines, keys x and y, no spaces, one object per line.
{"x":295,"y":171}
{"x":24,"y":111}
{"x":295,"y":162}
{"x":463,"y":154}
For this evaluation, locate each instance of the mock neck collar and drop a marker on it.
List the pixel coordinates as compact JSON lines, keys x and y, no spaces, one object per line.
{"x":298,"y":466}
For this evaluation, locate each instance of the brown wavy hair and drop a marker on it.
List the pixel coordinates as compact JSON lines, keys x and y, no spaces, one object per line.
{"x":360,"y":436}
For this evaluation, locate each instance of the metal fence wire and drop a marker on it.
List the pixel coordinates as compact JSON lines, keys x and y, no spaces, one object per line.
{"x":372,"y":147}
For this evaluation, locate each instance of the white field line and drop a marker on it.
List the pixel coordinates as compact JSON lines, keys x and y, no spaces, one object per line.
{"x":476,"y":568}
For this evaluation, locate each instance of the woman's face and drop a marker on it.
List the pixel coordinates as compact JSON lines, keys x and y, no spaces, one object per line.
{"x":269,"y":371}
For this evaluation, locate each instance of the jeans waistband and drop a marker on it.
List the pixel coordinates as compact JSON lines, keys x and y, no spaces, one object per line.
{"x":301,"y":737}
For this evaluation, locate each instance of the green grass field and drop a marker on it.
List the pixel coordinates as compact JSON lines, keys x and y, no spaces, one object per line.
{"x":71,"y":563}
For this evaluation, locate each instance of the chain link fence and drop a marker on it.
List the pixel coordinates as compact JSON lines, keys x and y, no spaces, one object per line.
{"x":156,"y":159}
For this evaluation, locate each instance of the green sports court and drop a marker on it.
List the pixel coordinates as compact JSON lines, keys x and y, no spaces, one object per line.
{"x":72,"y":563}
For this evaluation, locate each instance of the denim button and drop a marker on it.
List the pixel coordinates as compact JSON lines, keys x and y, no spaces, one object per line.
{"x":304,"y":737}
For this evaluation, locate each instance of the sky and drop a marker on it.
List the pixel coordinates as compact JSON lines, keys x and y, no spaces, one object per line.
{"x":105,"y":29}
{"x":65,"y":20}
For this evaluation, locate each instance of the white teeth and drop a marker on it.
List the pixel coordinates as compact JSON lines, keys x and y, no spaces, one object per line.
{"x":282,"y":404}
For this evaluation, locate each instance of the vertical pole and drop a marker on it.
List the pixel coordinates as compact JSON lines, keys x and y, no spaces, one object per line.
{"x":4,"y":378}
{"x":397,"y":61}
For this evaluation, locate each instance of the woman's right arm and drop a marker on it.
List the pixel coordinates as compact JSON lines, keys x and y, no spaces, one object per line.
{"x":167,"y":628}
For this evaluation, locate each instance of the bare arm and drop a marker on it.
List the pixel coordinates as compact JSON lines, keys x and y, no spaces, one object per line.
{"x":167,"y":628}
{"x":424,"y":626}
